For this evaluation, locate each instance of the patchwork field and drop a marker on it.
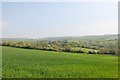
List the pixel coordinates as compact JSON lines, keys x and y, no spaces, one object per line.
{"x":28,"y":63}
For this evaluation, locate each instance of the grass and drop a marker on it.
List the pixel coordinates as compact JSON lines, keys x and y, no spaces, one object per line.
{"x":26,"y":63}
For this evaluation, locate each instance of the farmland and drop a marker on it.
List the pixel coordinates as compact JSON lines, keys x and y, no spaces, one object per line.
{"x":30,"y":63}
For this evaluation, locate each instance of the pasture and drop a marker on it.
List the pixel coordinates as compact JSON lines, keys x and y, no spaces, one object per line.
{"x":29,"y":63}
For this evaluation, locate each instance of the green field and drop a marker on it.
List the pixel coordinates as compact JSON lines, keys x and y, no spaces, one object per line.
{"x":23,"y":63}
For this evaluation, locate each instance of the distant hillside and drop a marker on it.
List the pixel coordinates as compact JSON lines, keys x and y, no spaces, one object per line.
{"x":16,"y":39}
{"x":71,"y":38}
{"x":91,"y":37}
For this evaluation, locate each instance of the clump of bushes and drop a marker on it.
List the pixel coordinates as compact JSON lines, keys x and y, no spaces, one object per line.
{"x":59,"y":46}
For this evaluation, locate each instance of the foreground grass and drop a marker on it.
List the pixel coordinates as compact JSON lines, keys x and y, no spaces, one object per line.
{"x":22,"y":63}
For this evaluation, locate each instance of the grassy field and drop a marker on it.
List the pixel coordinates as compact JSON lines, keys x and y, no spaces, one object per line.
{"x":22,"y":63}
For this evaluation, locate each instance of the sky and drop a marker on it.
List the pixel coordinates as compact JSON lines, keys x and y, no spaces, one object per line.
{"x":54,"y":19}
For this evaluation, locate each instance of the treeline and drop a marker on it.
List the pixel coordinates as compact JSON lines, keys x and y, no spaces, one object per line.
{"x":62,"y":46}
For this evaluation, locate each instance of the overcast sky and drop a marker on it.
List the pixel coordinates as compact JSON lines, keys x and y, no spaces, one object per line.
{"x":53,"y":19}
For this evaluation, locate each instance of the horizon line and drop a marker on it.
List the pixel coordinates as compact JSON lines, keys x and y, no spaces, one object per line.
{"x":61,"y":36}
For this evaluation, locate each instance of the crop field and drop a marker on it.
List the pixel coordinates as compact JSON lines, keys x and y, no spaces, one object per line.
{"x":29,"y":63}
